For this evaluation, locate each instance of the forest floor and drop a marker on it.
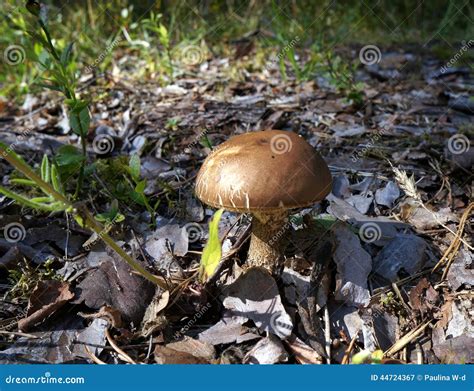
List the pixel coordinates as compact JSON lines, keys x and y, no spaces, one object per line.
{"x":393,"y":237}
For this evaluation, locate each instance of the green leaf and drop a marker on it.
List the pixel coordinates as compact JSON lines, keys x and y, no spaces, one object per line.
{"x":79,"y":121}
{"x":206,"y":142}
{"x":52,"y":87}
{"x":140,"y":187}
{"x":111,"y":216}
{"x":163,"y":35}
{"x":22,"y":181}
{"x":68,"y":160}
{"x":42,"y":199}
{"x":79,"y":219}
{"x":45,"y":169}
{"x":56,"y":206}
{"x":66,"y":54}
{"x":134,"y":165}
{"x":44,"y":60}
{"x":363,"y":357}
{"x":377,"y":356}
{"x":325,"y":222}
{"x":59,"y":76}
{"x":69,"y":154}
{"x":212,"y":252}
{"x":55,"y":179}
{"x":76,"y":106}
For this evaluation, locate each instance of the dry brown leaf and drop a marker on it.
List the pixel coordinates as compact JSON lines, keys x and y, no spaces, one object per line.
{"x":46,"y":298}
{"x":185,"y":351}
{"x":302,"y":352}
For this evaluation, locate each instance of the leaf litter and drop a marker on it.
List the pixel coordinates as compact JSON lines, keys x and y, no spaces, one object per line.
{"x":373,"y":289}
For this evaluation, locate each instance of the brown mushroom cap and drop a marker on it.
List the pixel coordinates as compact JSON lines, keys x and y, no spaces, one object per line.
{"x":263,"y":171}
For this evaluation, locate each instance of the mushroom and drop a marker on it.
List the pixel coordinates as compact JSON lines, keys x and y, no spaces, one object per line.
{"x":266,"y":174}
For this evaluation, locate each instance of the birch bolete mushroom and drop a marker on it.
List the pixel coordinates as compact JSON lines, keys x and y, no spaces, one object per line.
{"x":266,"y":174}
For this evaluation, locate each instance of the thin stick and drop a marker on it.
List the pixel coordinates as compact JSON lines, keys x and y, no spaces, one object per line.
{"x":19,"y":334}
{"x":400,"y":297}
{"x":124,"y":356}
{"x":453,"y":248}
{"x":93,"y":357}
{"x":347,"y":353}
{"x":327,"y":333}
{"x":419,"y":354}
{"x":406,"y":339}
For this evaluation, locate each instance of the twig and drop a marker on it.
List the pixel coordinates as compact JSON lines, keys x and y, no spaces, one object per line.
{"x":347,"y":353}
{"x":406,"y":339}
{"x":453,"y":248}
{"x":327,"y":333}
{"x":150,"y":347}
{"x":19,"y":334}
{"x":400,"y":297}
{"x":379,"y":291}
{"x":122,"y":355}
{"x":419,"y":354}
{"x":93,"y":357}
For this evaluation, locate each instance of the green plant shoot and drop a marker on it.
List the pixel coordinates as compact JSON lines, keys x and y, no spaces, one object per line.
{"x":366,"y":357}
{"x":212,"y":252}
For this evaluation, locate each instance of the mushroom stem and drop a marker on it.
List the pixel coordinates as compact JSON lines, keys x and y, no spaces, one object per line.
{"x":267,"y":241}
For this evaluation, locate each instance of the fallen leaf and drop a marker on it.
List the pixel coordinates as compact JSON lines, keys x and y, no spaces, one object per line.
{"x":387,"y":195}
{"x":424,"y":219}
{"x":186,"y":351}
{"x":228,"y":330}
{"x":116,"y":285}
{"x":268,"y":350}
{"x":461,"y":320}
{"x":46,"y":298}
{"x":405,"y":251}
{"x":65,"y":344}
{"x":254,"y":295}
{"x":458,"y":350}
{"x":353,"y":267}
{"x":461,"y":271}
{"x":361,"y":202}
{"x":302,"y":352}
{"x":153,"y":320}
